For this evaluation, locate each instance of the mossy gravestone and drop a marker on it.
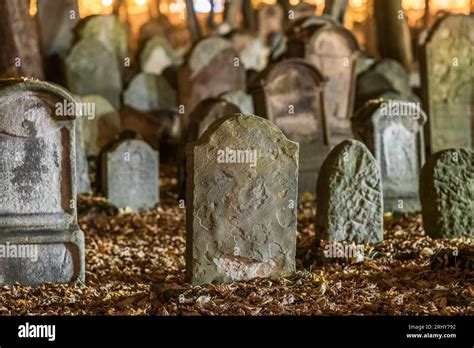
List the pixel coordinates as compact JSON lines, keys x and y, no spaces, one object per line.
{"x":393,"y":132}
{"x":447,"y":76}
{"x":130,"y":175}
{"x":349,"y":196}
{"x":241,"y":202}
{"x":447,"y":194}
{"x":40,"y":240}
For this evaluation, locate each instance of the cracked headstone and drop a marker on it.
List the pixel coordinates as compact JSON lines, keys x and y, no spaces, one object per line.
{"x":447,"y":76}
{"x":393,"y":132}
{"x":130,"y":175}
{"x":38,"y":216}
{"x":349,"y":196}
{"x":241,"y":202}
{"x":447,"y":194}
{"x":91,"y":68}
{"x":290,"y":94}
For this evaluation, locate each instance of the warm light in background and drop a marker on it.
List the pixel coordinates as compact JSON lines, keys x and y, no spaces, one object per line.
{"x":107,"y":2}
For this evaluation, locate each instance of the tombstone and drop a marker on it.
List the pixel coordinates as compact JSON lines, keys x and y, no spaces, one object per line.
{"x":130,"y":173}
{"x":150,"y":92}
{"x":270,"y":20}
{"x":241,"y":202}
{"x":243,"y":100}
{"x":447,"y":82}
{"x":447,"y":194}
{"x":349,"y":196}
{"x":333,"y":50}
{"x":251,"y":50}
{"x":290,"y":94}
{"x":393,"y":132}
{"x":157,"y":55}
{"x":108,"y":30}
{"x":211,"y":68}
{"x":303,"y":10}
{"x":100,"y":123}
{"x":92,"y":69}
{"x":38,"y":216}
{"x":83,"y":184}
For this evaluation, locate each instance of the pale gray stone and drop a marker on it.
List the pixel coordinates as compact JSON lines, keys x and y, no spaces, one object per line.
{"x":243,"y":100}
{"x":83,"y":183}
{"x":349,"y":196}
{"x":157,"y":55}
{"x":241,"y":217}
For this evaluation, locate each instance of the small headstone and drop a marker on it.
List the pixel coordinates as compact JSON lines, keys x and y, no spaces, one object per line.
{"x":100,"y":123}
{"x":447,"y":194}
{"x":157,"y":55}
{"x":83,"y":184}
{"x":130,"y":174}
{"x":290,"y":94}
{"x":150,"y":92}
{"x":349,"y":196}
{"x":241,"y":202}
{"x":270,"y":20}
{"x":38,"y":216}
{"x":447,"y":80}
{"x":91,"y":68}
{"x":211,"y":68}
{"x":243,"y":100}
{"x":393,"y":132}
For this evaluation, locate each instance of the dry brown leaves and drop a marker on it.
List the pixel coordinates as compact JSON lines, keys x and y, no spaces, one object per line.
{"x":135,"y":266}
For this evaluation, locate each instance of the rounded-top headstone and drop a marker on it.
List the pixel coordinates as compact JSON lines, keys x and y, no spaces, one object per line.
{"x":205,"y":51}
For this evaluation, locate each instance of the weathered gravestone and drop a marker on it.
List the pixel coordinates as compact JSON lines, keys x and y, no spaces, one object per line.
{"x":148,"y":92}
{"x":38,"y":219}
{"x":270,"y":20}
{"x":251,"y":50}
{"x":290,"y":94}
{"x":447,"y":76}
{"x":107,"y":29}
{"x":447,"y":194}
{"x":393,"y":132}
{"x":100,"y":123}
{"x":91,"y":68}
{"x":83,"y":184}
{"x":349,"y":196}
{"x":243,"y":100}
{"x":241,"y":202}
{"x":157,"y":55}
{"x":333,"y":50}
{"x":130,"y":173}
{"x":211,"y":68}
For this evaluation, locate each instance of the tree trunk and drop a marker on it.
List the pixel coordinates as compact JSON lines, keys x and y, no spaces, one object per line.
{"x":116,"y":7}
{"x":193,"y":23}
{"x":337,"y":9}
{"x":249,"y":15}
{"x":393,"y":35}
{"x":20,"y":51}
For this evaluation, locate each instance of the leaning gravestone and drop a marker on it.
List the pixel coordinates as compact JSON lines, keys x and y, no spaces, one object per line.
{"x":150,"y":92}
{"x":333,"y":50}
{"x":447,"y":194}
{"x":290,"y":94}
{"x":349,"y":196}
{"x":100,"y":123}
{"x":448,"y":82}
{"x":241,"y":197}
{"x":38,"y":217}
{"x":243,"y":100}
{"x":157,"y":55}
{"x":91,"y":68}
{"x":393,"y":132}
{"x":211,"y":68}
{"x":130,"y":175}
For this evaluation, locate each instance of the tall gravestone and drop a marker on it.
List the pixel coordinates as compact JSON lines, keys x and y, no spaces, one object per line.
{"x":148,"y":92}
{"x":38,"y":217}
{"x":211,"y":68}
{"x":241,"y":195}
{"x":100,"y":123}
{"x":130,"y":174}
{"x":447,"y":194}
{"x":157,"y":55}
{"x":333,"y":50}
{"x":91,"y":68}
{"x":290,"y":94}
{"x":447,"y":79}
{"x":349,"y":196}
{"x":393,"y":132}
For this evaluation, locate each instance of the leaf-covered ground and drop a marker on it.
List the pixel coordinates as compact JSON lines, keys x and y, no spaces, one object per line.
{"x":135,"y":266}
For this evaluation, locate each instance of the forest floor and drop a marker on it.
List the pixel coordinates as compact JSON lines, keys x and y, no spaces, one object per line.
{"x":135,"y":266}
